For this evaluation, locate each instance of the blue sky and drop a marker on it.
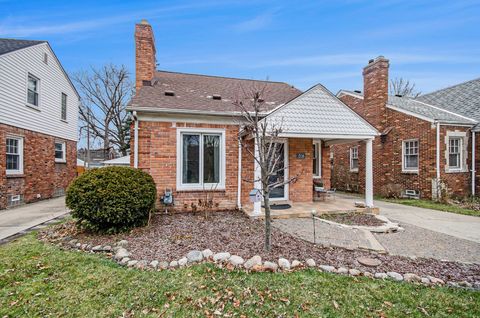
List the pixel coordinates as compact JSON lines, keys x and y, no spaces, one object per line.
{"x":432,"y":43}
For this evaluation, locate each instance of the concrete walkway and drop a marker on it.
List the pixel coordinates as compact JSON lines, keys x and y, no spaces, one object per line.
{"x":461,"y":226}
{"x":16,"y":220}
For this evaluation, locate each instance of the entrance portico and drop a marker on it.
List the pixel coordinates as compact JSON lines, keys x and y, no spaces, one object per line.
{"x":311,"y":123}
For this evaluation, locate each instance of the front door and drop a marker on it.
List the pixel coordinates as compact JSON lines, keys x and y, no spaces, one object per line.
{"x":280,"y":192}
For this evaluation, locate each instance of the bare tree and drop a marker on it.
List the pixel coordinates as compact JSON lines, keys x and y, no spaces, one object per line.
{"x":270,"y":160}
{"x":402,"y":87}
{"x":104,"y":95}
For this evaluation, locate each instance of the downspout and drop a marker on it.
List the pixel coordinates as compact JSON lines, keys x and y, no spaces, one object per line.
{"x":239,"y":185}
{"x":473,"y":163}
{"x":135,"y":140}
{"x":438,"y":161}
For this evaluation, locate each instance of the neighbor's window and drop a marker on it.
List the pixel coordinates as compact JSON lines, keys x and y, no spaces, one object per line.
{"x":64,"y":106}
{"x":32,"y":90}
{"x":354,"y":159}
{"x":455,"y":148}
{"x":60,"y":152}
{"x":14,"y":155}
{"x":410,"y":155}
{"x":201,"y":159}
{"x":317,"y":160}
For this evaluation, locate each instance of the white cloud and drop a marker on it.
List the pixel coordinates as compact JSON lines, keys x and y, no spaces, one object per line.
{"x":259,"y":22}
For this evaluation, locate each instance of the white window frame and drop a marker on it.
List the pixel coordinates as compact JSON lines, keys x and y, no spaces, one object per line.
{"x":352,"y":151}
{"x":38,"y":91}
{"x":64,"y":155}
{"x":200,"y":186}
{"x":317,"y":151}
{"x":20,"y":153}
{"x":61,"y":106}
{"x":410,"y":170}
{"x":462,"y":136}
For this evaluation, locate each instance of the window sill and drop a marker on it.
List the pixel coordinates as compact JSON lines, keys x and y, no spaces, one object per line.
{"x":15,"y":175}
{"x":218,"y":189}
{"x":37,"y":108}
{"x":354,"y":170}
{"x":64,"y":120}
{"x":317,"y":177}
{"x":410,"y":172}
{"x":60,"y":161}
{"x":456,"y":171}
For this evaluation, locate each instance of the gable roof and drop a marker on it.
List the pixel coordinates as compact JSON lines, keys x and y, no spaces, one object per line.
{"x":194,"y":92}
{"x":419,"y":109}
{"x":463,"y":99}
{"x":318,"y":113}
{"x":10,"y":45}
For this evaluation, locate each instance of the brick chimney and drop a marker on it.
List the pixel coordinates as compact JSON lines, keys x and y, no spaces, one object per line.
{"x":375,"y":92}
{"x":145,"y":61}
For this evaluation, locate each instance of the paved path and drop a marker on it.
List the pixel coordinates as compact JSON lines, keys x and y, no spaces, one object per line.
{"x":13,"y":221}
{"x":461,"y":226}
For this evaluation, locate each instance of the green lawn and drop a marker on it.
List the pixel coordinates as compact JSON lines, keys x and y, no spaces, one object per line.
{"x":433,"y":205}
{"x":39,"y":280}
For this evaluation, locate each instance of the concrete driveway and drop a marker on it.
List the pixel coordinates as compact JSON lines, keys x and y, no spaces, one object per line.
{"x":461,"y":226}
{"x":16,"y":220}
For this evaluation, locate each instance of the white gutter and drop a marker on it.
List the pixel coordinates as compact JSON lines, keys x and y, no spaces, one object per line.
{"x":135,"y":141}
{"x":438,"y":161}
{"x":473,"y":163}
{"x":190,"y":111}
{"x":239,"y":185}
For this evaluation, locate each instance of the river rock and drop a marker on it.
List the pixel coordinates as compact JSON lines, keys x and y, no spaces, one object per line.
{"x":254,"y":261}
{"x":342,"y":270}
{"x":183,"y":261}
{"x":194,"y":256}
{"x":409,"y":277}
{"x":327,"y":268}
{"x":354,"y":272}
{"x":221,"y":257}
{"x":310,"y":262}
{"x":121,"y":253}
{"x":270,"y":266}
{"x":154,"y":264}
{"x":207,"y":253}
{"x":395,"y":276}
{"x":236,"y":260}
{"x":284,"y":263}
{"x":173,"y":264}
{"x":380,"y":275}
{"x":368,"y":261}
{"x":295,"y":264}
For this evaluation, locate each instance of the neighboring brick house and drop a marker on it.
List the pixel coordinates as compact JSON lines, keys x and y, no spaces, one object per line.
{"x":38,"y":123}
{"x":186,"y":132}
{"x":422,"y":140}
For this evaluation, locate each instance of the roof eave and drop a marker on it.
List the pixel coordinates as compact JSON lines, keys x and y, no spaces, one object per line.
{"x":158,"y":110}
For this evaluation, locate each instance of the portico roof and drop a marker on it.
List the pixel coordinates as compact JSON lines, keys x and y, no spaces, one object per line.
{"x":317,"y":113}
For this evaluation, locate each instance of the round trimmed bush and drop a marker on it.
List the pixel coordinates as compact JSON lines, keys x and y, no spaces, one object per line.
{"x":112,"y":199}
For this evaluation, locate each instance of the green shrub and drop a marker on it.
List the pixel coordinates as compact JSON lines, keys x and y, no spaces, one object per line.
{"x":112,"y":199}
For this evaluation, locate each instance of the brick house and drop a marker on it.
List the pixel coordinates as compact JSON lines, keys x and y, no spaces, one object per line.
{"x":426,"y":144}
{"x":38,"y":123}
{"x":186,"y":132}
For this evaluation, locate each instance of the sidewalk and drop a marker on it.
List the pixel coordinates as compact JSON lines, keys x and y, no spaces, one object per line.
{"x":16,"y":220}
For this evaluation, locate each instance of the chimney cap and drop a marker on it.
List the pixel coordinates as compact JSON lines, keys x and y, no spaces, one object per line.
{"x":358,"y":91}
{"x":144,"y":21}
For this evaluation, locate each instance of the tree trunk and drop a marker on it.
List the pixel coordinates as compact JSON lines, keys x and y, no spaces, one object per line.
{"x":268,"y":226}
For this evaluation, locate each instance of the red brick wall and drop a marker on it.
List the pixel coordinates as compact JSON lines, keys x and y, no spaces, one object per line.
{"x":158,"y":152}
{"x":302,"y":189}
{"x":387,"y":157}
{"x":42,"y":176}
{"x":247,"y":170}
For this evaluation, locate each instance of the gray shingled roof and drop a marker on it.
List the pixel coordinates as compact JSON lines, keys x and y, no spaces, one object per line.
{"x":423,"y":109}
{"x":463,"y":99}
{"x":319,"y":112}
{"x":10,"y":45}
{"x":194,"y":92}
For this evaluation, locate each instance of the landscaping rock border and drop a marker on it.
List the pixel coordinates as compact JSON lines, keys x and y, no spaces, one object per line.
{"x":120,"y":254}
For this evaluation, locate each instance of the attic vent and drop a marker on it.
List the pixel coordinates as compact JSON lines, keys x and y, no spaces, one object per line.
{"x":146,"y":83}
{"x":169,"y":93}
{"x":217,"y":97}
{"x":45,"y":58}
{"x":371,"y":61}
{"x":399,"y":95}
{"x":358,"y":91}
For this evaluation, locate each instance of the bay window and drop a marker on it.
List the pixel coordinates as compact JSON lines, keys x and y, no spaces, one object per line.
{"x":200,"y":159}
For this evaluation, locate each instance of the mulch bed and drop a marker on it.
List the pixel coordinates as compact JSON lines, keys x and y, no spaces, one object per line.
{"x":171,"y":237}
{"x":353,"y":219}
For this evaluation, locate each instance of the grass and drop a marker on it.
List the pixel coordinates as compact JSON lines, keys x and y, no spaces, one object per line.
{"x":433,"y":205}
{"x":40,"y":280}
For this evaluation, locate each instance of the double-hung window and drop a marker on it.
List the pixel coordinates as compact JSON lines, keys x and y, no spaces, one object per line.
{"x":60,"y":152}
{"x":14,"y":155}
{"x":410,"y":156}
{"x":354,"y":159}
{"x":317,"y":159}
{"x":201,"y":159}
{"x":455,"y":149}
{"x":33,"y":88}
{"x":64,"y":107}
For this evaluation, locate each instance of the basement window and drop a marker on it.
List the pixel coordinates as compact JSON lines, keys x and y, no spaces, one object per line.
{"x":217,"y":97}
{"x":169,"y":93}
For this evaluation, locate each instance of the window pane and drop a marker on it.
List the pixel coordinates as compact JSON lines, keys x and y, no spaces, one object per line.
{"x":411,"y":161}
{"x":58,"y":151}
{"x":211,"y":159}
{"x":13,"y":162}
{"x":32,"y":98}
{"x":12,"y":146}
{"x":64,"y":106}
{"x":191,"y":159}
{"x":315,"y":160}
{"x":32,"y":84}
